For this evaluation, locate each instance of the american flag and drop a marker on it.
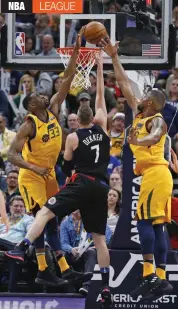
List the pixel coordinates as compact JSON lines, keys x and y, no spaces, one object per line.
{"x":151,"y":49}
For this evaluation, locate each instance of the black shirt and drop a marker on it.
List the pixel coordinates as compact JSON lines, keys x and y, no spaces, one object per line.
{"x":92,"y":155}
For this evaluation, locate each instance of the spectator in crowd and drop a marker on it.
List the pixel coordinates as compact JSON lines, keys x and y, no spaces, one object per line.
{"x":19,"y":223}
{"x":172,"y":76}
{"x":70,"y":32}
{"x":5,"y":109}
{"x":120,"y":103}
{"x":170,"y":116}
{"x":175,"y":22}
{"x":43,"y":82}
{"x":114,"y":7}
{"x":12,"y":187}
{"x":72,"y":122}
{"x":48,"y":46}
{"x":29,"y":46}
{"x":55,"y":22}
{"x":116,"y":134}
{"x":26,"y":82}
{"x":109,"y":97}
{"x":173,"y":93}
{"x":15,"y":77}
{"x":41,"y":29}
{"x":78,"y":245}
{"x":113,"y":208}
{"x":6,"y":137}
{"x":111,"y":84}
{"x":115,"y":181}
{"x":83,"y":98}
{"x":2,"y":20}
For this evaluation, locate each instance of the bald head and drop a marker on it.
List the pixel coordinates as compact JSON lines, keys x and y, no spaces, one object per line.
{"x":154,"y":100}
{"x":158,"y":99}
{"x":72,"y":121}
{"x":48,"y":43}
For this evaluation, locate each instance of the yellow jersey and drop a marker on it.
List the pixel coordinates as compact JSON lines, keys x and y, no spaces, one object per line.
{"x":44,"y":148}
{"x":147,"y":156}
{"x":116,"y":143}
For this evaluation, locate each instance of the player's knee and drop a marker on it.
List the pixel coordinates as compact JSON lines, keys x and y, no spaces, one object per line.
{"x":99,"y":240}
{"x":146,"y":232}
{"x":45,"y":212}
{"x":160,"y":238}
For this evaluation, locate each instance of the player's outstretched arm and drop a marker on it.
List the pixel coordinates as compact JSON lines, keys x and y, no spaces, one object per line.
{"x":157,"y":128}
{"x":25,"y":132}
{"x":120,"y":73}
{"x":69,"y":74}
{"x":100,"y":104}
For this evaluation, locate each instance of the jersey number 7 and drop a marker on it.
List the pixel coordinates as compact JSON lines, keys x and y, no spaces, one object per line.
{"x":97,"y":148}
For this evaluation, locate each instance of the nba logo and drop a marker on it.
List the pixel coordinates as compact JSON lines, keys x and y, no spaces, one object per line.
{"x":19,"y":43}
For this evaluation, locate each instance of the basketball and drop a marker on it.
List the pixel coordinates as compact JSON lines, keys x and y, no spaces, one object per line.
{"x":94,"y":32}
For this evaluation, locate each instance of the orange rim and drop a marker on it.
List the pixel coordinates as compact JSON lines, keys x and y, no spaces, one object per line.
{"x":82,"y":49}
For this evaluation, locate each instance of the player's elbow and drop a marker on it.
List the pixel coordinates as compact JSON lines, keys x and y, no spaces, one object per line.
{"x":156,"y":139}
{"x":10,"y":155}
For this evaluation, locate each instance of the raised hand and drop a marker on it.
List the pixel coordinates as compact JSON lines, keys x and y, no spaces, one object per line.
{"x":108,"y":48}
{"x":79,"y":38}
{"x":132,"y":138}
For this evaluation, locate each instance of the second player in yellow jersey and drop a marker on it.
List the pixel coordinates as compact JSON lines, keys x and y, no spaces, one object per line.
{"x":154,"y":201}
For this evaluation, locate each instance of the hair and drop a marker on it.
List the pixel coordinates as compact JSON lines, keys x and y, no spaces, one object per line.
{"x":170,"y":95}
{"x":27,"y":37}
{"x":85,"y":114}
{"x":174,"y":14}
{"x":32,"y":90}
{"x":158,"y":98}
{"x":17,"y":197}
{"x":12,"y":171}
{"x":3,"y":15}
{"x":117,"y":207}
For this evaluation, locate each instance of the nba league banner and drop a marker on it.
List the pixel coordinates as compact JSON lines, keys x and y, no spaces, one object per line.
{"x":42,"y":6}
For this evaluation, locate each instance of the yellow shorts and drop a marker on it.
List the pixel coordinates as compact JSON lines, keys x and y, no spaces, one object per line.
{"x":155,"y":195}
{"x":36,"y":190}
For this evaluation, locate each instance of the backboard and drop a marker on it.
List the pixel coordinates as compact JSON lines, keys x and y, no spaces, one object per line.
{"x":145,"y":43}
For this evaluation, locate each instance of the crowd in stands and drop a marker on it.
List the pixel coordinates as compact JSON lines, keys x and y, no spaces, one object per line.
{"x":42,"y":38}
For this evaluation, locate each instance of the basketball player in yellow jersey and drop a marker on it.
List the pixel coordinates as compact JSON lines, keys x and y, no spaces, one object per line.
{"x":40,"y":139}
{"x":147,"y":138}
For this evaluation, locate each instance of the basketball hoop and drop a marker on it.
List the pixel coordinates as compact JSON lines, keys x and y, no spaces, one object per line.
{"x":84,"y":64}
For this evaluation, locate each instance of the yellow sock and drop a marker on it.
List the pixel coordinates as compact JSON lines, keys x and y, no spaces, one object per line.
{"x":42,"y":265}
{"x":161,"y":273}
{"x":63,"y":264}
{"x":148,"y":268}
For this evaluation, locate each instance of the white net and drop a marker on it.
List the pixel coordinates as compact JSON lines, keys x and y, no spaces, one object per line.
{"x":85,"y":62}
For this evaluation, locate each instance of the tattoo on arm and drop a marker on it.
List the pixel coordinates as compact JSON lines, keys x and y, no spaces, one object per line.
{"x":158,"y":127}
